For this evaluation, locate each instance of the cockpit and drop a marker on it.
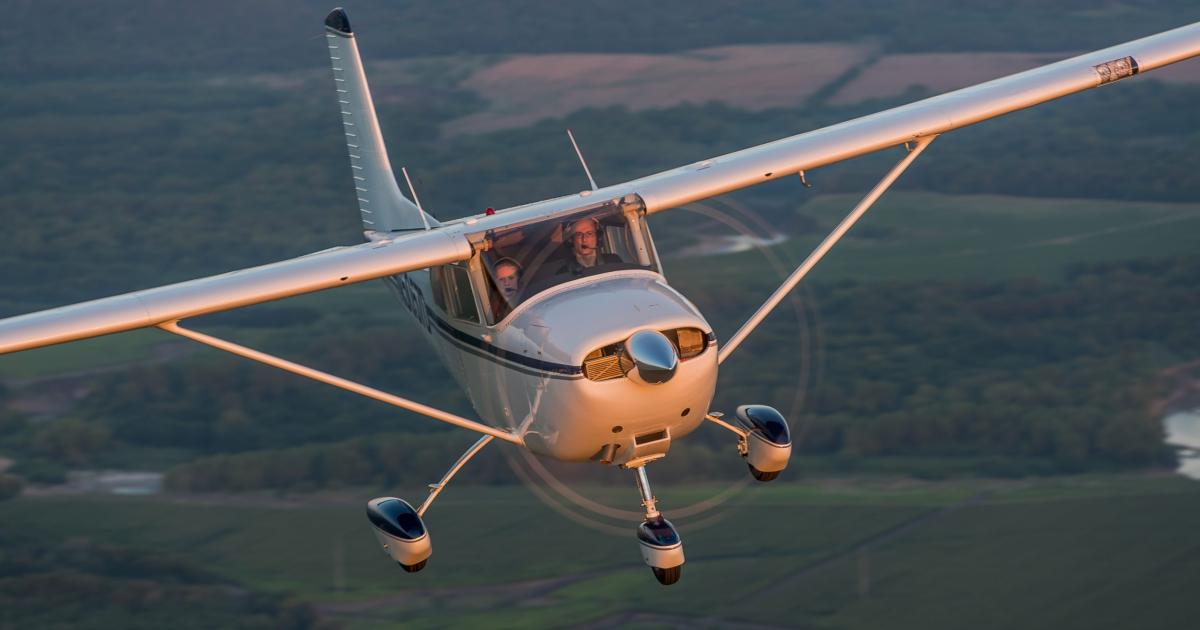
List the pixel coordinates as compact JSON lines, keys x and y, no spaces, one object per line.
{"x":523,"y":260}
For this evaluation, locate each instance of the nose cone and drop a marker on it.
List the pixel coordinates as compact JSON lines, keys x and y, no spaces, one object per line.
{"x":653,"y":356}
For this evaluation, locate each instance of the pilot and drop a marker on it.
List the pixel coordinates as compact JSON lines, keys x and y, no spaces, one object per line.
{"x":508,"y":280}
{"x":585,"y":237}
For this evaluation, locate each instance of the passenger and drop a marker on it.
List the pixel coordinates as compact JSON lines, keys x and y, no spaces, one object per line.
{"x":508,"y":281}
{"x":585,"y":241}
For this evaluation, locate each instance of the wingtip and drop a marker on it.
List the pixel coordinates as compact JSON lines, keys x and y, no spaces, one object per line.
{"x":338,"y":22}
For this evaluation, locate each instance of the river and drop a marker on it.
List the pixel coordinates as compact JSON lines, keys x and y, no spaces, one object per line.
{"x":1183,"y":429}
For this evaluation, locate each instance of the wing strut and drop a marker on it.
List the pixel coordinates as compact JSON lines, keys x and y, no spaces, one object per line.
{"x":329,"y":379}
{"x":436,"y":488}
{"x":822,"y":249}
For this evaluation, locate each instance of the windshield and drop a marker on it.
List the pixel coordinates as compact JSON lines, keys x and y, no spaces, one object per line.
{"x":525,"y":260}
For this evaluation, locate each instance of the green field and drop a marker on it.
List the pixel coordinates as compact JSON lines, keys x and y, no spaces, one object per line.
{"x":364,"y":304}
{"x":910,"y":235}
{"x":917,"y":369}
{"x":90,"y":354}
{"x":1095,"y":551}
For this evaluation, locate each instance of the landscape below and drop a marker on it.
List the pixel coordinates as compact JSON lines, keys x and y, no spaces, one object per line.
{"x":977,"y":376}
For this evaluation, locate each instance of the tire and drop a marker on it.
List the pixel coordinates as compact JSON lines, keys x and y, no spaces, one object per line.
{"x":667,"y":577}
{"x":763,"y":476}
{"x":413,"y":568}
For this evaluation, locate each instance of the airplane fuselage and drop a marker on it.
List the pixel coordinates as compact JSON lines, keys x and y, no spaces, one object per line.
{"x":527,"y":372}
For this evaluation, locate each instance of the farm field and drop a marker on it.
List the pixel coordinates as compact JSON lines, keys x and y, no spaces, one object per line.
{"x":88,"y":355}
{"x":515,"y":91}
{"x":365,"y":303}
{"x":1094,"y":551}
{"x":976,"y":377}
{"x":891,"y":75}
{"x":523,"y":89}
{"x":917,"y":235}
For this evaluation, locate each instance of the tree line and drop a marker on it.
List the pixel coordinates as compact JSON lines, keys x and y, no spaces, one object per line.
{"x":147,"y":38}
{"x":83,"y":584}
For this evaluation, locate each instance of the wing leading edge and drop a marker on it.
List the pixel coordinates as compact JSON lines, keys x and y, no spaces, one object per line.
{"x":151,"y":307}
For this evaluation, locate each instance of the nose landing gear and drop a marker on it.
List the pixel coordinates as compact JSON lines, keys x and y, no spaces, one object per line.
{"x":658,"y":541}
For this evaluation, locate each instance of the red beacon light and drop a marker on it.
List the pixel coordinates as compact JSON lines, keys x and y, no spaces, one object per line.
{"x":489,"y":212}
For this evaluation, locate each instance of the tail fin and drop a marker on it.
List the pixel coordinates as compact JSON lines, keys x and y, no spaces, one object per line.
{"x":382,"y":206}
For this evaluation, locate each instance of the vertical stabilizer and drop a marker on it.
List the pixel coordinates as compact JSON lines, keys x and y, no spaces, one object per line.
{"x":382,"y":206}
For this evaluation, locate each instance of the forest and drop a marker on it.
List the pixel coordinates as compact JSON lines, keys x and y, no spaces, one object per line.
{"x":975,"y":379}
{"x":102,"y":585}
{"x":213,"y":37}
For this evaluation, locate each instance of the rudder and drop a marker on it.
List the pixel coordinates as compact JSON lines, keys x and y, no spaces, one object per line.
{"x":382,"y":206}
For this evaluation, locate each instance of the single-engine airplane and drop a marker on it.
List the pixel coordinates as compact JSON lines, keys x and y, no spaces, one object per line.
{"x":554,"y":317}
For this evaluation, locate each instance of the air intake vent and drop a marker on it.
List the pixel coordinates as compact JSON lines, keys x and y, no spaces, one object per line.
{"x":603,"y":368}
{"x":689,"y":342}
{"x":647,"y":438}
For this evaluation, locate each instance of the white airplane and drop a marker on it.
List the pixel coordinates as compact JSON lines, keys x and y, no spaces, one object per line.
{"x":554,"y":317}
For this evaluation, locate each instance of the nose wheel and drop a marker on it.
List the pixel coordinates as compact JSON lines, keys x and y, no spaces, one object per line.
{"x":661,"y":547}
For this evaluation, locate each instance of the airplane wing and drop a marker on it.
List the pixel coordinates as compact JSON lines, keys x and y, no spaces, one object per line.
{"x":669,"y":189}
{"x":929,"y":117}
{"x":314,"y":272}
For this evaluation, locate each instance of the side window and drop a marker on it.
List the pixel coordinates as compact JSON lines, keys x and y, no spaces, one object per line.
{"x":437,"y":285}
{"x":460,"y":300}
{"x":617,"y":241}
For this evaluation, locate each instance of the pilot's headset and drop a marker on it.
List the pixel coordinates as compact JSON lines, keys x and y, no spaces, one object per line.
{"x":508,"y":261}
{"x":570,"y":229}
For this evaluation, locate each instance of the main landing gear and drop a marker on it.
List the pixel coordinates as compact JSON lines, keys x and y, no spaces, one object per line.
{"x":398,"y":526}
{"x":659,"y":542}
{"x":763,"y":439}
{"x":400,"y":531}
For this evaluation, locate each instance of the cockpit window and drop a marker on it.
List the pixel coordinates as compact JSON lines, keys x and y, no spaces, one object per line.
{"x":525,"y":260}
{"x":452,"y":293}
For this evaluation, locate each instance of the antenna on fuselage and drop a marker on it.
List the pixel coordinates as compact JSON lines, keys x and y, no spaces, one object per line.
{"x":581,"y":160}
{"x":416,"y":200}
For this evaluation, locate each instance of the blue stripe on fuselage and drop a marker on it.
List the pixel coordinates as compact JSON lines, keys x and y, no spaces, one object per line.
{"x":413,"y":300}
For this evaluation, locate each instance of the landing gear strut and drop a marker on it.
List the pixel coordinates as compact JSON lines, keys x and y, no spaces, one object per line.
{"x":398,"y":526}
{"x":764,"y":439}
{"x":659,"y":542}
